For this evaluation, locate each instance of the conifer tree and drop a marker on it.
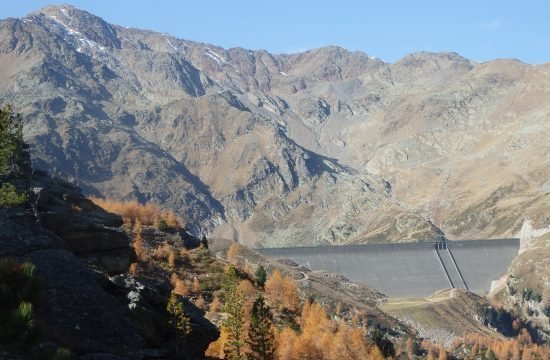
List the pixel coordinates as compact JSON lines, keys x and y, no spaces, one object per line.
{"x":11,"y":155}
{"x":11,"y":140}
{"x":179,"y":320}
{"x":204,"y":242}
{"x":233,"y":301}
{"x":260,"y":334}
{"x":261,"y":276}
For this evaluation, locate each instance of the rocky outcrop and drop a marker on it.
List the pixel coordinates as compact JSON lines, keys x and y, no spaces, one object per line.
{"x":85,"y":310}
{"x":525,"y":288}
{"x":146,"y":299}
{"x":86,"y":229}
{"x":74,"y":310}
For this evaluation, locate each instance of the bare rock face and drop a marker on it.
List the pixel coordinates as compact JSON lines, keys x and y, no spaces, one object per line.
{"x":86,"y":229}
{"x":75,"y":310}
{"x":326,"y":146}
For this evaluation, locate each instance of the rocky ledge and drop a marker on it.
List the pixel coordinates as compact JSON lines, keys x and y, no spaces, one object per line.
{"x":86,"y":229}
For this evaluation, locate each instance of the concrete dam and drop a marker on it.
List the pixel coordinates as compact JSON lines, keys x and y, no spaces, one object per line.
{"x":410,"y":269}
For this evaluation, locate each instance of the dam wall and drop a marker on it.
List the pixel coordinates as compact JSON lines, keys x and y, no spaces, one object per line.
{"x":410,"y":269}
{"x":483,"y":261}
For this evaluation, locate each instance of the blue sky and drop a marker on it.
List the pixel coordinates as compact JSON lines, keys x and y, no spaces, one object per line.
{"x":480,"y":30}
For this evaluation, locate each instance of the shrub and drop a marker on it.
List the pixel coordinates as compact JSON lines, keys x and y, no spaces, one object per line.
{"x":139,"y":244}
{"x":215,"y":304}
{"x":18,"y":291}
{"x":172,"y":260}
{"x":163,"y":225}
{"x":62,"y":354}
{"x":10,"y":197}
{"x":180,"y":286}
{"x":212,"y":283}
{"x":166,"y":252}
{"x":385,"y":345}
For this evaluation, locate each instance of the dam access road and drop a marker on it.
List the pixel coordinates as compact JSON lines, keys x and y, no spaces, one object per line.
{"x":410,"y":269}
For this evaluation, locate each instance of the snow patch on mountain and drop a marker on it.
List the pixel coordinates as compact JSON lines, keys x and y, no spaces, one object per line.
{"x":215,"y":56}
{"x":78,"y":35}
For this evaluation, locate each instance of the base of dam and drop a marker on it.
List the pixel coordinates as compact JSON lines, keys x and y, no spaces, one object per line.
{"x":410,"y":269}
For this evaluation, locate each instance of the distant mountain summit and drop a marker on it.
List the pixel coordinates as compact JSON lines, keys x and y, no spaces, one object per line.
{"x":326,"y":146}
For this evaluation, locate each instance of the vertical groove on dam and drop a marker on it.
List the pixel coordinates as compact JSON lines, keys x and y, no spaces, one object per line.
{"x":457,"y":269}
{"x":436,"y":252}
{"x":410,"y":269}
{"x":451,"y":270}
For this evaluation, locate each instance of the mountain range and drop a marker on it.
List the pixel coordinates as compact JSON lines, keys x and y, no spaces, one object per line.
{"x":326,"y":146}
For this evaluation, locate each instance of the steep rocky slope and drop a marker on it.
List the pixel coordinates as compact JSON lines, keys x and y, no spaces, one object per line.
{"x":525,"y":288}
{"x":325,"y":146}
{"x":86,"y":300}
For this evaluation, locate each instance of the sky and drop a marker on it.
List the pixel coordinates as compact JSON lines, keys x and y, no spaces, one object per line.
{"x":479,"y":30}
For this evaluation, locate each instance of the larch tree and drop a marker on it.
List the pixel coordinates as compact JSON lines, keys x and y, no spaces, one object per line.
{"x":274,"y":287}
{"x":282,"y":291}
{"x":442,"y":354}
{"x":233,"y":253}
{"x":291,"y":299}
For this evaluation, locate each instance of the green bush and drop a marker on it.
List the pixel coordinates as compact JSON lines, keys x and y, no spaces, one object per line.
{"x":62,"y":354}
{"x":212,"y":283}
{"x":163,"y":225}
{"x":18,"y":292}
{"x":10,"y":197}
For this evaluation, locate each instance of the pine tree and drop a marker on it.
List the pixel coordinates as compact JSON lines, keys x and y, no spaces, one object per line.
{"x":233,"y":301}
{"x":204,"y":242}
{"x":179,"y":320}
{"x":19,"y":290}
{"x":260,"y":334}
{"x":11,"y":140}
{"x":261,"y":276}
{"x":11,"y":155}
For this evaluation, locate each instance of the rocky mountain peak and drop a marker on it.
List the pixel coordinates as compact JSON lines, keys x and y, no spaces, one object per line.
{"x":81,"y":24}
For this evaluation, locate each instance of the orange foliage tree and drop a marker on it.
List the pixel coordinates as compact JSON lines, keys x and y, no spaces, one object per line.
{"x":233,"y":253}
{"x":520,"y":348}
{"x":322,"y":338}
{"x":148,"y":214}
{"x":282,"y":291}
